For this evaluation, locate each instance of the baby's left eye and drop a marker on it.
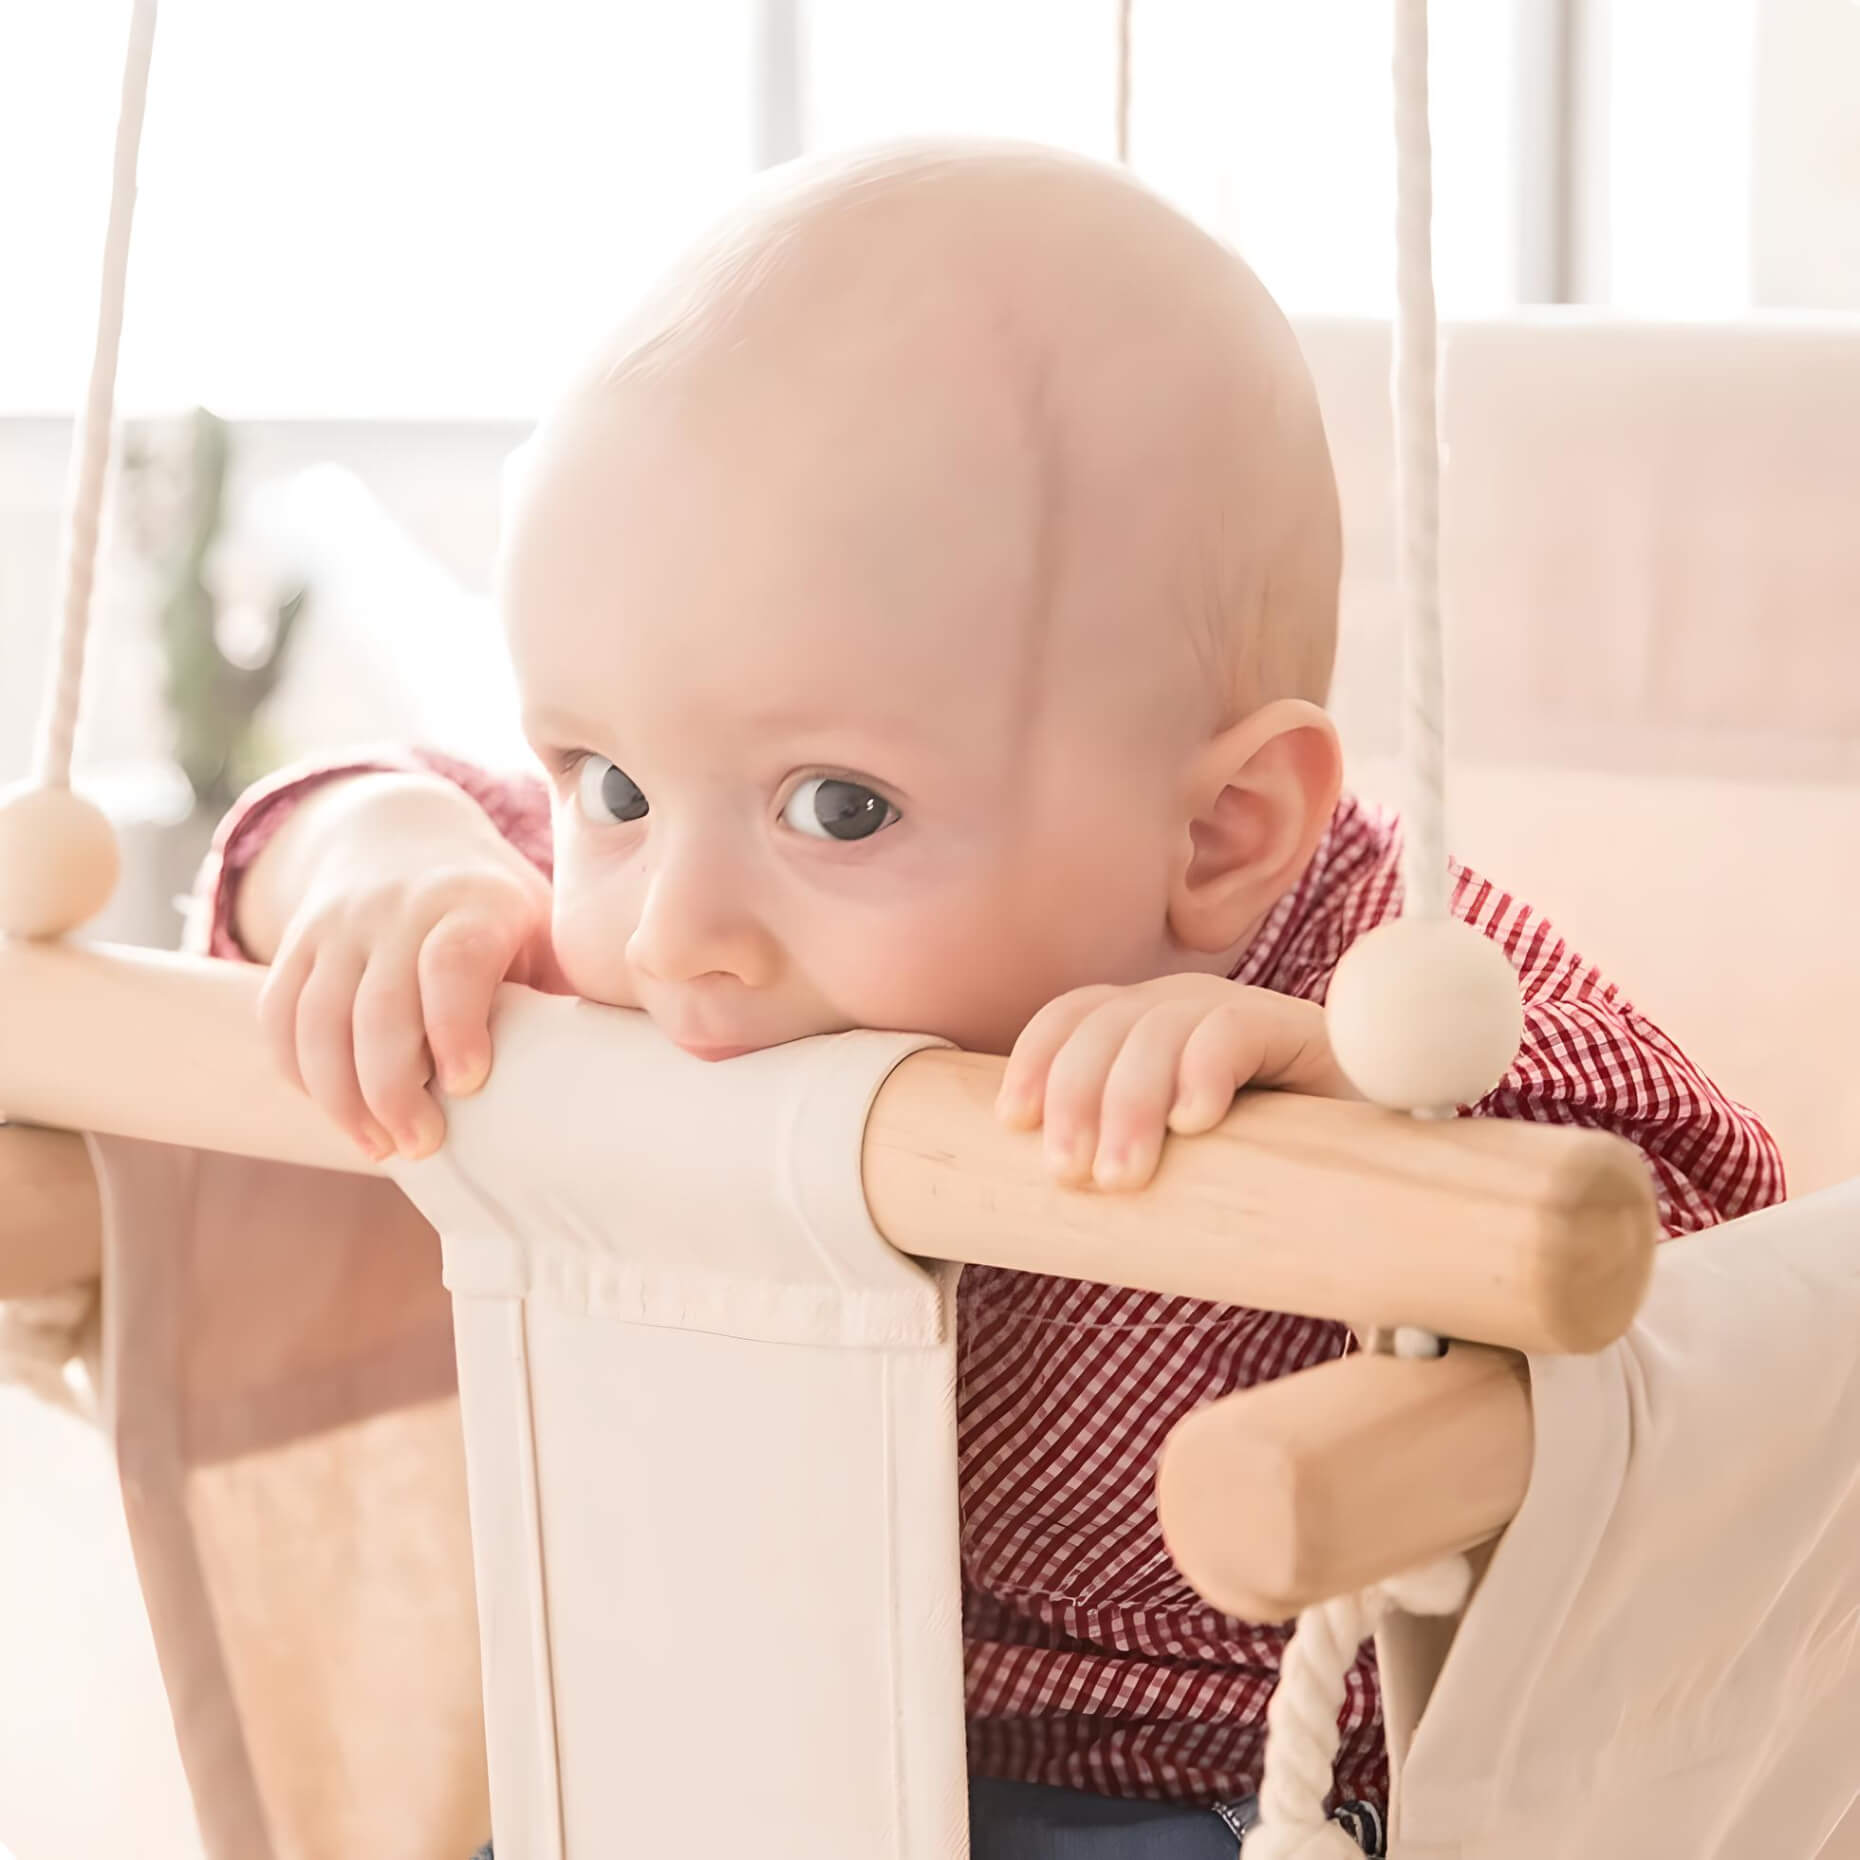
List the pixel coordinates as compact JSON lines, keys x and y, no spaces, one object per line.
{"x":828,"y":809}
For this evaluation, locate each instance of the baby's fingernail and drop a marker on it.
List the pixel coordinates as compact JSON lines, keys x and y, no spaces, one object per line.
{"x":1069,"y":1157}
{"x":1112,"y":1168}
{"x":460,"y":1078}
{"x":423,"y":1136}
{"x":1188,"y":1114}
{"x":376,"y":1144}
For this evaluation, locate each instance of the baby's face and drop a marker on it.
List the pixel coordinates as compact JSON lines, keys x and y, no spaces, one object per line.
{"x":829,"y":748}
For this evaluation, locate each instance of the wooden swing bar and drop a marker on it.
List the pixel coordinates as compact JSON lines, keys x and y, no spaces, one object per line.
{"x":1529,"y":1237}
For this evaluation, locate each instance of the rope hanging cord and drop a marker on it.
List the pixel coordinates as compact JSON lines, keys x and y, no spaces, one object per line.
{"x":1124,"y":8}
{"x":1423,"y":1013}
{"x":1425,"y":876}
{"x":92,"y":457}
{"x":58,"y":851}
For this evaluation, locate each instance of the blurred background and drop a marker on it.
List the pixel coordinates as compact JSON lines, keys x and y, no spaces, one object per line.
{"x":373,"y":235}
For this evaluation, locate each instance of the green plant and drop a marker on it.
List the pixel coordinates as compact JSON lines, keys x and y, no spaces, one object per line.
{"x":217,"y":676}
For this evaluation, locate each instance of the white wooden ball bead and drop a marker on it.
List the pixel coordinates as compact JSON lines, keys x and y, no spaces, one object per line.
{"x":1424,"y":1014}
{"x":58,"y":861}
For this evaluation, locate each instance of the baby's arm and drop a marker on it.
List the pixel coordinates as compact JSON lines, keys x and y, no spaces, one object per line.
{"x":346,"y":807}
{"x":390,"y":903}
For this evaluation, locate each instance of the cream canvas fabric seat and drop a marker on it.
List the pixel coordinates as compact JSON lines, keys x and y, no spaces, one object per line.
{"x":710,"y":1424}
{"x":1664,"y":1656}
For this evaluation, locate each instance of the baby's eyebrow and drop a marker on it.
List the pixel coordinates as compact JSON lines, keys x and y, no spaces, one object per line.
{"x":547,"y":724}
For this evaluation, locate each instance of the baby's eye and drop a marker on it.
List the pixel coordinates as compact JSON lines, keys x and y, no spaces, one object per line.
{"x":826,"y":809}
{"x":607,"y":794}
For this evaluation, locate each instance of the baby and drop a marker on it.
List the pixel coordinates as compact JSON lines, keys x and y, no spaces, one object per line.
{"x":923,"y":614}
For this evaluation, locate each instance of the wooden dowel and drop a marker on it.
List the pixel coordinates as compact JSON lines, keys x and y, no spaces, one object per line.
{"x":51,"y":1226}
{"x":1272,"y":1499}
{"x":141,"y":1043}
{"x":1535,"y":1237}
{"x":1343,"y":1475}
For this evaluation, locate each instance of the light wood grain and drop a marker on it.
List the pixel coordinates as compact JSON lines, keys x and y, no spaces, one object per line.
{"x":1519,"y":1234}
{"x":1343,"y":1475}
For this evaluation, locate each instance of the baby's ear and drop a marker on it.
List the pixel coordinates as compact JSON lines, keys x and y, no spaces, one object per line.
{"x":1260,"y":795}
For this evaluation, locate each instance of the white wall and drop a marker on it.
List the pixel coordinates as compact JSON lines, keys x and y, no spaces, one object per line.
{"x":1805,"y":192}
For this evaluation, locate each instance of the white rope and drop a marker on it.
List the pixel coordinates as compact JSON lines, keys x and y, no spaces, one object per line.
{"x":1123,"y":81}
{"x":1417,"y":475}
{"x":91,"y":458}
{"x":1301,"y":1722}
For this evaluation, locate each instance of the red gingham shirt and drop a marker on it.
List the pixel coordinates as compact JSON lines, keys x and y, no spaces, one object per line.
{"x":1090,"y":1661}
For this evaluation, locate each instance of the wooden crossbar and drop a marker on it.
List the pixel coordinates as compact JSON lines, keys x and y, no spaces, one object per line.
{"x":1536,"y":1238}
{"x":1343,"y":1475}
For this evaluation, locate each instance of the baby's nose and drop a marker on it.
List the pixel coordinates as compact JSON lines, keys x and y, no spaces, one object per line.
{"x":695,"y":923}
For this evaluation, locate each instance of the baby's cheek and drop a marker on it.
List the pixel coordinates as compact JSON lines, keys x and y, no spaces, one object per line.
{"x":590,"y":934}
{"x":942,"y":971}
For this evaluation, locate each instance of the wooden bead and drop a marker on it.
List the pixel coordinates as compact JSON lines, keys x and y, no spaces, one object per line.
{"x":58,"y":861}
{"x":1424,"y":1014}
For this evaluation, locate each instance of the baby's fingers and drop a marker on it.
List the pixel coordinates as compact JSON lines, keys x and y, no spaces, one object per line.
{"x":1223,"y":1053}
{"x":278,"y":996}
{"x":464,"y":958}
{"x":391,"y":1061}
{"x":1021,"y":1099}
{"x":1139,"y":1091}
{"x":1075,"y":1084}
{"x":325,"y":1045}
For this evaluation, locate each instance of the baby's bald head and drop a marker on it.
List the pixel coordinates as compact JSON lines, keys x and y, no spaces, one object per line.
{"x":1110,"y":390}
{"x":976,"y":497}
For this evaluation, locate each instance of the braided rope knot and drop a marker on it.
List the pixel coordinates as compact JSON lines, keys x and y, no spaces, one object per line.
{"x":1301,"y":1721}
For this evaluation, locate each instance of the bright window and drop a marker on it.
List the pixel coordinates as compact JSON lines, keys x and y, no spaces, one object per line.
{"x":368,"y":207}
{"x":384,"y":208}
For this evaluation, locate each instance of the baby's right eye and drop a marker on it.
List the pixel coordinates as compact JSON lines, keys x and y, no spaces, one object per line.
{"x":607,"y":794}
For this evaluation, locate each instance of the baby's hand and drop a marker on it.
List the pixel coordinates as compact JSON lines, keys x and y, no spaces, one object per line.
{"x":1108,"y":1069}
{"x":386,"y":970}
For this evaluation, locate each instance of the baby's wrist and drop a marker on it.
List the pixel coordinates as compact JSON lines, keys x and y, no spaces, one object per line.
{"x":354,"y":828}
{"x":397,"y":807}
{"x":397,"y":822}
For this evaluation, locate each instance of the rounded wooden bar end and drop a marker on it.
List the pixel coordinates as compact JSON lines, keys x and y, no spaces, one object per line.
{"x":1343,"y":1475}
{"x":1594,"y":1257}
